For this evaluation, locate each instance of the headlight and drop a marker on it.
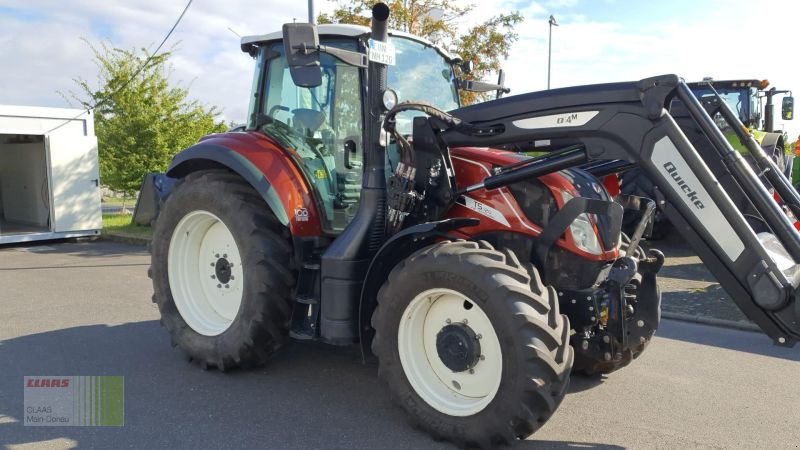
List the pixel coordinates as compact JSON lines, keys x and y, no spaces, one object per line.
{"x":582,"y":231}
{"x":389,"y":99}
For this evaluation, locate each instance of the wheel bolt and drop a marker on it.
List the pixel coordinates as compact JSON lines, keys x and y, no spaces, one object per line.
{"x":606,"y":339}
{"x":640,"y":323}
{"x":585,"y":345}
{"x":479,"y":336}
{"x":219,"y":286}
{"x":574,"y":301}
{"x":227,"y":286}
{"x":212,"y":264}
{"x":447,"y":321}
{"x":471,"y":371}
{"x":607,"y":356}
{"x":213,"y":277}
{"x":216,"y":255}
{"x":464,"y":321}
{"x":232,"y":277}
{"x":224,"y":255}
{"x":483,"y":358}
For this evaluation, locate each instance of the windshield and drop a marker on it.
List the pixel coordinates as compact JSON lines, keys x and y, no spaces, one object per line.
{"x":738,"y":99}
{"x":421,"y":73}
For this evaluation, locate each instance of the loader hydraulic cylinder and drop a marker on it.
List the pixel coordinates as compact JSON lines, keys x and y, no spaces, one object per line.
{"x":764,"y":162}
{"x":743,"y":173}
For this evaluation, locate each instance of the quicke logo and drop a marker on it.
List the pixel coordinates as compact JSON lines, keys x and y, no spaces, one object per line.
{"x":673,"y":172}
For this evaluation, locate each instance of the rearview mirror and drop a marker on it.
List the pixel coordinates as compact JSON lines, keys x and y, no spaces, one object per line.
{"x":301,"y":45}
{"x":787,"y":108}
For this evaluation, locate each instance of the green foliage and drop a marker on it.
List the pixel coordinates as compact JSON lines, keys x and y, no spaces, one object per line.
{"x":140,"y":122}
{"x":121,"y":223}
{"x":483,"y":44}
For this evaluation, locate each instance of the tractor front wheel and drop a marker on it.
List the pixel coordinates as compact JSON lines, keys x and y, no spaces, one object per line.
{"x":472,"y":344}
{"x":220,"y":267}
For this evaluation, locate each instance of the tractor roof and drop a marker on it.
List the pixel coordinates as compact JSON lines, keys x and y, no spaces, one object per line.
{"x":760,"y":84}
{"x":340,"y":30}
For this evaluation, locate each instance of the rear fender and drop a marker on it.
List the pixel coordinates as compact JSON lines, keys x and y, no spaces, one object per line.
{"x":399,"y":247}
{"x":266,"y":167}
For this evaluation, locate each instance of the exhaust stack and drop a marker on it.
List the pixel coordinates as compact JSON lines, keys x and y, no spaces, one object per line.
{"x":345,"y":262}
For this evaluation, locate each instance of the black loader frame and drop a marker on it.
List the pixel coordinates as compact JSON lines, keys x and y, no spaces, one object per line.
{"x":630,"y":122}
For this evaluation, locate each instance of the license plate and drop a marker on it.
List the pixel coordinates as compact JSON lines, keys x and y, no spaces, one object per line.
{"x":381,"y":52}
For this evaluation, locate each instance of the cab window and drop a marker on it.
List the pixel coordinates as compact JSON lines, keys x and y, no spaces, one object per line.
{"x":323,"y":126}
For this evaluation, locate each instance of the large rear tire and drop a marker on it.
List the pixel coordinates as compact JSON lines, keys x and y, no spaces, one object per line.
{"x":221,"y":270}
{"x":472,"y":344}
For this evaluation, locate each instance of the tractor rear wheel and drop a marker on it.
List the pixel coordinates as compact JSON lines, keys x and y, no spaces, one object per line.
{"x":221,"y":271}
{"x":472,"y":344}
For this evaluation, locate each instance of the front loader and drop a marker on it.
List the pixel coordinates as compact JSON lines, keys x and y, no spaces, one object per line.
{"x":363,"y":205}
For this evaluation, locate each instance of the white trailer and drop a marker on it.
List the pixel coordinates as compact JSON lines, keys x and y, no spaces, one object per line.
{"x":49,"y":177}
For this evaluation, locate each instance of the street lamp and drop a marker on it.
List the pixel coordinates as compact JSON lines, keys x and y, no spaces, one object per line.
{"x":552,"y":23}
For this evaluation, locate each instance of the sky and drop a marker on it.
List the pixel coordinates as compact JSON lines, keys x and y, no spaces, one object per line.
{"x":596,"y":41}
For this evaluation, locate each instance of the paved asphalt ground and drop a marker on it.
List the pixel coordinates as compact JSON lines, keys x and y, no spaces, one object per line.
{"x":84,"y":309}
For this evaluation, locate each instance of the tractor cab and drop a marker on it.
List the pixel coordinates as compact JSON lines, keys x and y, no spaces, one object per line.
{"x":740,"y":95}
{"x":323,"y":124}
{"x":745,"y":98}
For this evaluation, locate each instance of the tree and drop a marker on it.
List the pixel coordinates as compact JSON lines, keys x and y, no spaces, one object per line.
{"x":140,"y":120}
{"x":436,"y":20}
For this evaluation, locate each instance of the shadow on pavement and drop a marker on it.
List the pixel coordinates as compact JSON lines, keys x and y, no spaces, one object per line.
{"x":104,"y":249}
{"x":742,"y":341}
{"x":710,"y":301}
{"x":308,"y":396}
{"x":689,"y":271}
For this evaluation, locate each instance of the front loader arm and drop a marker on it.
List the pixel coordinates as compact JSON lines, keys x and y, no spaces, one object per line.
{"x":630,"y":121}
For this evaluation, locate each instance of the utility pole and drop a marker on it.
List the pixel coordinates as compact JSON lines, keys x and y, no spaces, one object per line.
{"x":310,"y":11}
{"x":552,"y":23}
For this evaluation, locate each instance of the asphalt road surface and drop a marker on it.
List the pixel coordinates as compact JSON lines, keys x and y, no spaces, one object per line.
{"x":84,"y":309}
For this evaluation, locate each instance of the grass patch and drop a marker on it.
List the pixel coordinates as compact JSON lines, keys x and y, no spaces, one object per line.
{"x":121,"y":223}
{"x":117,"y":201}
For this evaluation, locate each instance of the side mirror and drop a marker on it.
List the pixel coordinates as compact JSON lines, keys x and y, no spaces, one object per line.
{"x":787,"y":108}
{"x":467,"y":66}
{"x":301,"y":45}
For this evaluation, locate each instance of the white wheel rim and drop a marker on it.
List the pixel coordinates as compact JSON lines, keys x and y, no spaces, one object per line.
{"x":453,"y":393}
{"x":207,"y":293}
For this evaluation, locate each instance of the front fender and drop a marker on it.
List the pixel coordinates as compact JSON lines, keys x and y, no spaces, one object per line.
{"x":266,"y":167}
{"x":397,"y":248}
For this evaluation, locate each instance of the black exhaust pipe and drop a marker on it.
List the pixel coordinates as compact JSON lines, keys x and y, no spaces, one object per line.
{"x":346,"y":260}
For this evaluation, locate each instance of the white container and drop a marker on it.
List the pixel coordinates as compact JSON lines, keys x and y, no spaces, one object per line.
{"x":49,"y":177}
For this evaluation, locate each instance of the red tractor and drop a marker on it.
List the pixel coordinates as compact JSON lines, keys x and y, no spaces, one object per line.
{"x":349,"y":212}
